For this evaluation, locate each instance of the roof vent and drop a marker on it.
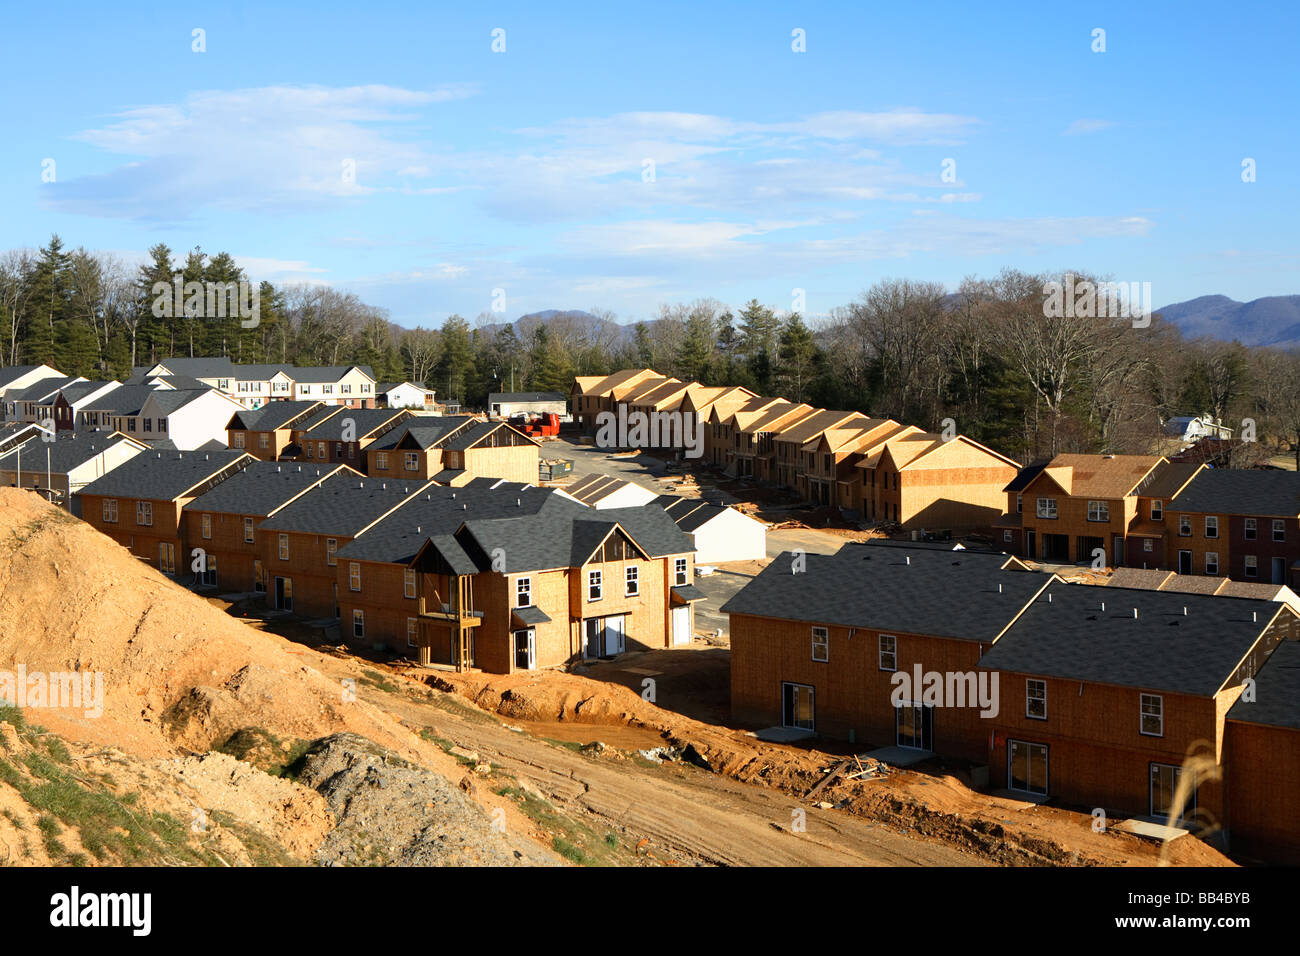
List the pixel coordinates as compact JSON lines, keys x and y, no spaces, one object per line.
{"x":206,"y":456}
{"x":519,"y":502}
{"x":277,"y":469}
{"x":1254,"y":617}
{"x":1184,"y":610}
{"x":1135,"y":614}
{"x":1049,"y":597}
{"x":383,"y":486}
{"x":361,"y":484}
{"x":464,"y":506}
{"x":419,"y":529}
{"x":1103,"y":605}
{"x":999,"y":587}
{"x":907,"y":558}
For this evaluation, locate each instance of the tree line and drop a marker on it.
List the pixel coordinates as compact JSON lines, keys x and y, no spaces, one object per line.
{"x":987,"y":356}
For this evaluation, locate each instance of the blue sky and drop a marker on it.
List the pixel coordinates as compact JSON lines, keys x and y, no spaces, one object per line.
{"x":526,"y":170}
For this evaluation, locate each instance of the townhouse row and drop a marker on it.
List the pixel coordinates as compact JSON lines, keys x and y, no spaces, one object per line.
{"x":879,"y":468}
{"x":1098,"y":697}
{"x":1144,"y":511}
{"x":493,"y":574}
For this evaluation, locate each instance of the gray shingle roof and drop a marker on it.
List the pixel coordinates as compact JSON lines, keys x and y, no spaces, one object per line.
{"x":76,"y":390}
{"x":425,"y":430}
{"x":164,"y":475}
{"x":1071,"y":637}
{"x":1165,"y":480}
{"x":326,"y":373}
{"x":261,"y":488}
{"x":169,"y":401}
{"x":42,"y":389}
{"x":68,"y":451}
{"x":127,"y":400}
{"x":1241,"y":491}
{"x":201,"y":367}
{"x":343,"y":504}
{"x":1024,"y":477}
{"x":270,"y":416}
{"x":690,"y":513}
{"x":365,"y":421}
{"x":1277,"y":691}
{"x":11,"y":373}
{"x":470,"y":436}
{"x":907,"y":590}
{"x":260,"y":373}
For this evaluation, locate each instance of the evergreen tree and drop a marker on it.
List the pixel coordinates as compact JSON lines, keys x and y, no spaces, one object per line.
{"x":798,"y":354}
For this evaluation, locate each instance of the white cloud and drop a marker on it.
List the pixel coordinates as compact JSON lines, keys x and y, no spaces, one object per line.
{"x":1082,"y":127}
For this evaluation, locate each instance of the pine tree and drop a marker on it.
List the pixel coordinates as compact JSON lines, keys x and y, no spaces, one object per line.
{"x":798,"y":353}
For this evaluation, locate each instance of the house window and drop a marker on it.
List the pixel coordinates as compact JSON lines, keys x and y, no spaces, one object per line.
{"x":888,"y":653}
{"x":248,"y":530}
{"x":358,"y":622}
{"x":381,"y":460}
{"x":1153,"y":716}
{"x":1249,"y":529}
{"x":162,"y":425}
{"x":679,"y":571}
{"x":354,"y":576}
{"x":352,"y":449}
{"x":1211,"y":562}
{"x":1148,"y":544}
{"x":412,"y":631}
{"x":338,"y":449}
{"x":523,"y":592}
{"x":408,"y":582}
{"x":311,"y":450}
{"x":130,"y":424}
{"x":1184,"y":526}
{"x":1279,"y":530}
{"x":1252,"y":566}
{"x":1006,"y":537}
{"x":327,"y":389}
{"x":206,"y":524}
{"x":365,"y":389}
{"x":1157,"y":511}
{"x":821,"y":644}
{"x":632,"y":576}
{"x":259,"y":577}
{"x":1098,"y":511}
{"x":110,"y":509}
{"x":345,"y":389}
{"x":412,"y":461}
{"x":306,"y":389}
{"x":1020,"y":504}
{"x":593,"y":585}
{"x":239,"y":439}
{"x":263,"y":440}
{"x":148,"y":424}
{"x":144,"y":513}
{"x":284,"y":547}
{"x":1211,"y":526}
{"x":331,"y":545}
{"x":322,"y":449}
{"x":1036,"y":699}
{"x":1046,"y":507}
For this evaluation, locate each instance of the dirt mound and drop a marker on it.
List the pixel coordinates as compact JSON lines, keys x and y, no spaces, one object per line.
{"x":178,"y":674}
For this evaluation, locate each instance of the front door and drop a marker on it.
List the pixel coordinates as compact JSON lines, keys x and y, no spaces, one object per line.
{"x":914,"y":726}
{"x":681,"y":625}
{"x":1117,"y":552}
{"x":1029,"y":544}
{"x":1184,"y":562}
{"x":1027,"y":767}
{"x":526,"y":649}
{"x":603,"y":636}
{"x":614,"y":635}
{"x":167,"y":557}
{"x":798,"y":706}
{"x":284,"y":593}
{"x":1279,"y":570}
{"x":1165,"y":799}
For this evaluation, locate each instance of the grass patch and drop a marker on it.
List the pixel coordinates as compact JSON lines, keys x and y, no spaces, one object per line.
{"x":267,"y":752}
{"x":571,"y":838}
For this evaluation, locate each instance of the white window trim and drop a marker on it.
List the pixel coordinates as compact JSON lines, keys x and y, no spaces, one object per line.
{"x":526,"y":590}
{"x":881,"y":652}
{"x":596,"y":581}
{"x":821,"y":637}
{"x":631,"y":581}
{"x":354,"y":576}
{"x":409,"y":583}
{"x":1142,"y":699}
{"x":1030,"y":696}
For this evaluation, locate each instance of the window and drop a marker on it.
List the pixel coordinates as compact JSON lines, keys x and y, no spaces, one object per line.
{"x":412,"y":461}
{"x":1252,"y":566}
{"x":1046,"y":508}
{"x":412,"y":631}
{"x":593,"y":585}
{"x":1211,"y":526}
{"x":239,"y":439}
{"x":1098,"y":511}
{"x":248,"y":530}
{"x":331,"y":545}
{"x":162,"y":425}
{"x":327,"y":389}
{"x":381,"y":460}
{"x":263,"y":440}
{"x":1020,"y":504}
{"x":632,"y":577}
{"x":408,"y":582}
{"x":1184,"y":526}
{"x":679,"y":571}
{"x":365,"y":389}
{"x":358,"y":622}
{"x":1249,"y":529}
{"x":259,"y":576}
{"x":1036,"y":699}
{"x":1148,"y":544}
{"x":888,"y":654}
{"x":306,"y":389}
{"x":130,"y":424}
{"x":338,"y":449}
{"x":311,"y":450}
{"x":345,"y":389}
{"x":167,"y":558}
{"x":1153,"y":715}
{"x":148,"y":424}
{"x":1279,"y":529}
{"x":144,"y":513}
{"x":1211,"y":562}
{"x":352,"y":449}
{"x":354,"y":576}
{"x":1006,"y":537}
{"x":821,"y":644}
{"x":110,"y":509}
{"x":322,"y":449}
{"x":284,"y":547}
{"x":205,"y":522}
{"x":1157,"y":511}
{"x":523,"y":592}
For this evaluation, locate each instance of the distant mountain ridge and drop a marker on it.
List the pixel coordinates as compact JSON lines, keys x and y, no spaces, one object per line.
{"x":1272,"y":320}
